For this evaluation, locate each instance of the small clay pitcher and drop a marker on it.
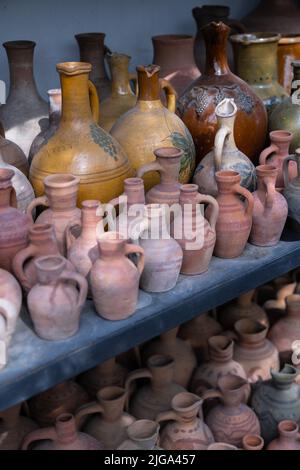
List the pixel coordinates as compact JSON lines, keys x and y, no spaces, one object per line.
{"x":143,"y":434}
{"x":13,"y":155}
{"x":253,"y":442}
{"x":292,"y":190}
{"x":56,"y":301}
{"x":289,"y":437}
{"x":13,"y":428}
{"x":288,"y":51}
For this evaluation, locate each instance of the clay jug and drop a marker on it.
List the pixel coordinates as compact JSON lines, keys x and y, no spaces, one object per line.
{"x":231,"y":419}
{"x":253,"y":442}
{"x":25,"y":112}
{"x":60,"y":198}
{"x":151,"y":399}
{"x":93,"y":50}
{"x":288,"y":51}
{"x":186,"y":429}
{"x":62,"y":436}
{"x":109,"y":422}
{"x":235,"y":216}
{"x":225,"y":155}
{"x":292,"y":190}
{"x":143,"y":435}
{"x":174,"y":54}
{"x":270,"y":209}
{"x":13,"y":428}
{"x":281,"y":16}
{"x":254,"y":351}
{"x":80,"y":146}
{"x":149,"y":125}
{"x":13,"y":155}
{"x":197,"y":104}
{"x":122,"y":97}
{"x":289,"y":437}
{"x":56,"y":300}
{"x":181,"y":351}
{"x":14,"y":224}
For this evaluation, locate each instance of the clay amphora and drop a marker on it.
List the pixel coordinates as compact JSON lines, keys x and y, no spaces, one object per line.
{"x":143,"y":435}
{"x":292,"y":190}
{"x":25,"y":112}
{"x":225,"y":154}
{"x":56,"y":300}
{"x":281,"y":16}
{"x":80,"y":146}
{"x":289,"y":437}
{"x":288,"y":51}
{"x":253,"y":442}
{"x":13,"y":428}
{"x":13,"y":155}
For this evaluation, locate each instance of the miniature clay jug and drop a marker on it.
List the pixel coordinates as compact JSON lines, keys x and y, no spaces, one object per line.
{"x":56,"y":301}
{"x":13,"y":155}
{"x":142,"y":434}
{"x":13,"y":428}
{"x":281,"y":16}
{"x":80,"y":146}
{"x":292,"y":190}
{"x":225,"y":154}
{"x":25,"y":112}
{"x":185,"y":429}
{"x":253,"y":442}
{"x":149,"y":125}
{"x":288,"y":51}
{"x":289,"y":437}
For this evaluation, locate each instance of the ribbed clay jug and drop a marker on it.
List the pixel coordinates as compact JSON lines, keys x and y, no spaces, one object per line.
{"x":292,"y":190}
{"x":289,"y":437}
{"x":13,"y":155}
{"x":13,"y":428}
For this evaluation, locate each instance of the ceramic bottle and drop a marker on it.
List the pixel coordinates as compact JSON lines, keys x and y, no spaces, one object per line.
{"x":292,"y":190}
{"x":289,"y":437}
{"x":288,"y":51}
{"x":13,"y":155}
{"x":13,"y":428}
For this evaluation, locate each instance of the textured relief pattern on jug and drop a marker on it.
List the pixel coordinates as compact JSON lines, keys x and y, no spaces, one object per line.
{"x":186,"y":144}
{"x":103,"y":140}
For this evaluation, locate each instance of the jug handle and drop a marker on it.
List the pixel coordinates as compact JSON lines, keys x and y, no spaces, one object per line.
{"x":135,"y":249}
{"x":270,"y":192}
{"x":170,"y":94}
{"x":133,"y":78}
{"x":94,"y":100}
{"x":285,"y":168}
{"x":212,"y":220}
{"x":266,"y":153}
{"x":152,"y":166}
{"x":38,"y":201}
{"x":70,"y":238}
{"x":18,"y":264}
{"x":167,"y":416}
{"x":81,"y":282}
{"x":211,"y":394}
{"x":237,"y":25}
{"x":142,"y":373}
{"x":221,"y":135}
{"x":38,"y":435}
{"x":87,"y":409}
{"x":247,"y":195}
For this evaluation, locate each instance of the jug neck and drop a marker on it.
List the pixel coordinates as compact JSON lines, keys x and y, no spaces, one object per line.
{"x":111,"y":246}
{"x":220,"y":349}
{"x":226,"y":180}
{"x":245,"y":300}
{"x":284,"y":379}
{"x":215,"y":36}
{"x":92,"y":50}
{"x":266,"y":178}
{"x":134,"y":190}
{"x":119,"y":64}
{"x":66,"y":429}
{"x":162,"y":370}
{"x":112,"y":400}
{"x":90,"y":219}
{"x":42,"y":235}
{"x":48,"y":269}
{"x":148,"y":83}
{"x":282,"y":140}
{"x":61,"y":190}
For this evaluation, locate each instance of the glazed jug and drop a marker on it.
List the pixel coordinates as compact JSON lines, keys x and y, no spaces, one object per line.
{"x":289,"y":437}
{"x":225,"y":154}
{"x":13,"y":428}
{"x":13,"y":155}
{"x":292,"y":190}
{"x":80,"y":146}
{"x":270,"y":209}
{"x":253,"y":442}
{"x":197,"y":104}
{"x":288,"y":51}
{"x":281,"y":16}
{"x":185,"y":429}
{"x":25,"y":112}
{"x":143,"y":435}
{"x":56,"y":300}
{"x":235,"y":216}
{"x":149,"y":125}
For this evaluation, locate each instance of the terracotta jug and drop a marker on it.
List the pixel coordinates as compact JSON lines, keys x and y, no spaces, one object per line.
{"x":80,"y":146}
{"x":254,"y":351}
{"x":225,"y":155}
{"x":151,"y":399}
{"x":270,"y":209}
{"x":180,"y":350}
{"x":13,"y":428}
{"x":60,"y":198}
{"x":62,"y":436}
{"x":143,"y":435}
{"x":281,"y":16}
{"x":289,"y":437}
{"x":174,"y":54}
{"x":231,"y":419}
{"x":122,"y":97}
{"x":14,"y":224}
{"x":197,"y":105}
{"x":13,"y":155}
{"x":235,"y":217}
{"x":292,"y":190}
{"x":149,"y":125}
{"x":109,"y":422}
{"x":288,"y":51}
{"x":253,"y":442}
{"x":25,"y":112}
{"x":56,"y":300}
{"x":186,"y":429}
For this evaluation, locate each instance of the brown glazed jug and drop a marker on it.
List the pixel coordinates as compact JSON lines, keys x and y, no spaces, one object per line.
{"x":253,"y":442}
{"x":235,"y":216}
{"x":151,"y":399}
{"x":13,"y":155}
{"x":13,"y":428}
{"x":185,"y":429}
{"x":109,"y":421}
{"x":288,"y":51}
{"x":289,"y":437}
{"x":56,"y":300}
{"x":25,"y":112}
{"x":281,"y":16}
{"x":197,"y":105}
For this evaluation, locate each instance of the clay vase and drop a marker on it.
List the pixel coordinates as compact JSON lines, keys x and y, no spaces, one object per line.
{"x":292,"y":190}
{"x":14,"y":428}
{"x":80,"y":146}
{"x":289,"y":437}
{"x":151,"y":399}
{"x":62,"y":436}
{"x":174,"y":54}
{"x":270,"y":209}
{"x":281,"y":16}
{"x":14,"y":224}
{"x":275,"y":400}
{"x":109,"y":422}
{"x":185,"y":429}
{"x":253,"y":442}
{"x":143,"y":435}
{"x":54,"y":98}
{"x":232,"y":419}
{"x":149,"y":125}
{"x":235,"y":216}
{"x":254,"y":351}
{"x":276,"y":153}
{"x":122,"y":97}
{"x":181,"y":351}
{"x":60,"y":198}
{"x":25,"y":112}
{"x":13,"y":155}
{"x":56,"y":300}
{"x":288,"y":51}
{"x":93,"y":50}
{"x":197,"y":104}
{"x":225,"y":155}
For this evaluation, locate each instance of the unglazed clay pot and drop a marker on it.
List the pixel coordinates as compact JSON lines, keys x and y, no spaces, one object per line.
{"x":181,"y":351}
{"x":143,"y":434}
{"x":62,"y":436}
{"x":153,"y":398}
{"x":225,"y":154}
{"x":187,"y":430}
{"x":292,"y":190}
{"x":288,"y":51}
{"x":13,"y":155}
{"x":56,"y":300}
{"x":149,"y":125}
{"x":281,"y":16}
{"x":13,"y":428}
{"x":270,"y":209}
{"x":289,"y":437}
{"x":253,"y":442}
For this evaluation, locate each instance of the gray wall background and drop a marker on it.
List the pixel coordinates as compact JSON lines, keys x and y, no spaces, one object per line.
{"x":128,"y":24}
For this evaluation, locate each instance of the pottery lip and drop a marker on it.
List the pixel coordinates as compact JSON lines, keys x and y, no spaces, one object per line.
{"x":292,"y":38}
{"x":186,"y":403}
{"x":66,"y":427}
{"x":288,"y":428}
{"x":90,"y":204}
{"x":168,"y":152}
{"x":61,"y":180}
{"x":227,"y":176}
{"x":172,"y":39}
{"x":90,"y":37}
{"x":281,"y":135}
{"x":158,"y":361}
{"x":132,"y":182}
{"x":266,"y":170}
{"x":6,"y":176}
{"x":250,"y":331}
{"x":259,"y":37}
{"x":149,"y":70}
{"x":19,"y":44}
{"x":285,"y":377}
{"x":49,"y":267}
{"x":110,"y":393}
{"x":36,"y":230}
{"x":73,"y":68}
{"x":143,"y":430}
{"x":253,"y":442}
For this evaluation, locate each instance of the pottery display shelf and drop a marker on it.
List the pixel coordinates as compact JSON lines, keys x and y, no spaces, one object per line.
{"x":36,"y":365}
